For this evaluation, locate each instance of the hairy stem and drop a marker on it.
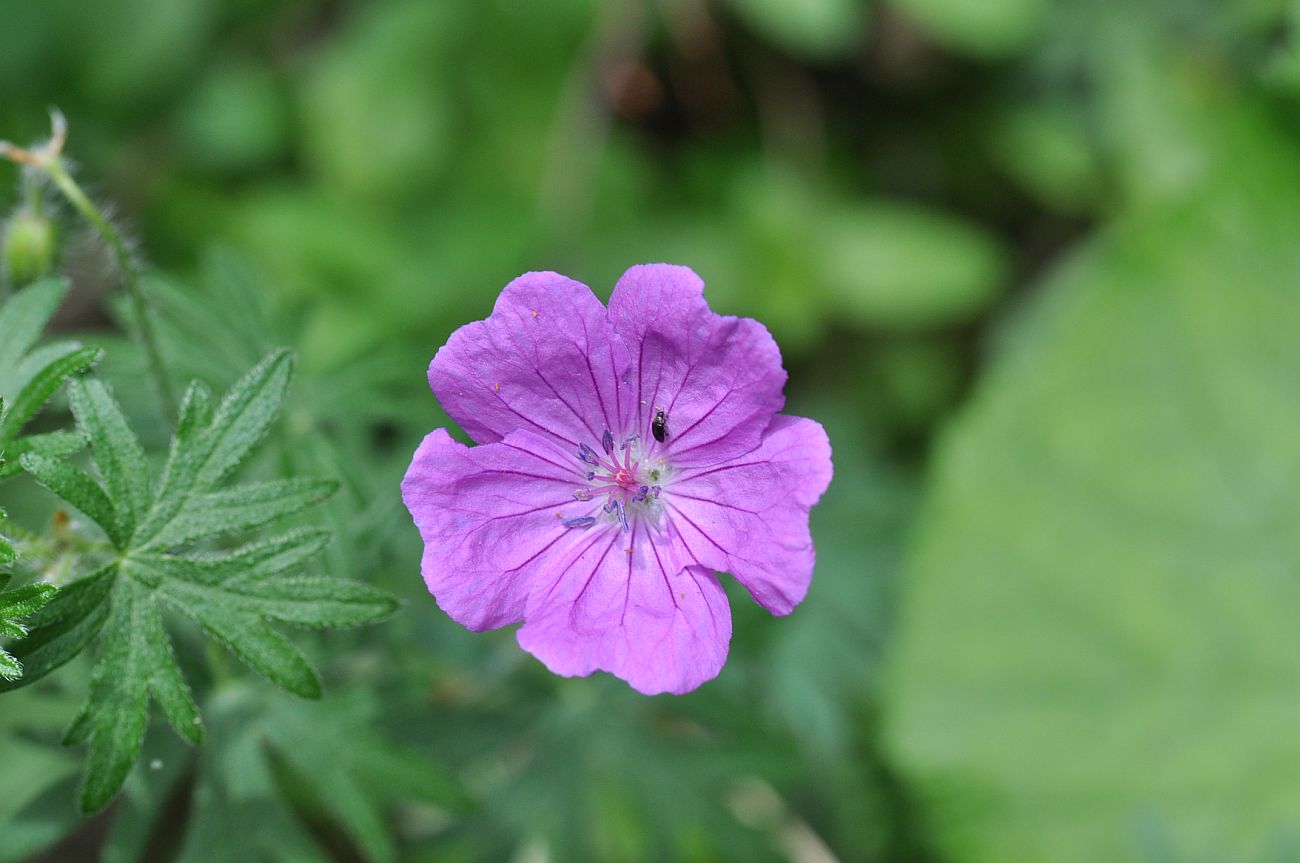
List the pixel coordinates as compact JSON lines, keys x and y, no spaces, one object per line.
{"x":126,"y":264}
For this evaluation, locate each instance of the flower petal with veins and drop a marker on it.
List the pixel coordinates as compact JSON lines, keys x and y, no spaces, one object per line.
{"x":581,"y":517}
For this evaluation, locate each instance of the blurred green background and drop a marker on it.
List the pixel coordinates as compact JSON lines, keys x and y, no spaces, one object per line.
{"x":1035,"y":264}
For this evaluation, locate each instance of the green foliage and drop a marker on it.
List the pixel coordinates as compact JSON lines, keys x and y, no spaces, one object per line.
{"x":819,"y":29}
{"x":1093,"y":656}
{"x":29,"y":378}
{"x":1099,"y":634}
{"x":231,"y":593}
{"x":15,"y":605}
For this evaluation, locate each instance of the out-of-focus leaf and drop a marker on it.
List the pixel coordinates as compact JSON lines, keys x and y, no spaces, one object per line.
{"x":37,"y":777}
{"x":353,"y":770}
{"x":22,"y":320}
{"x":235,"y":120}
{"x":1049,"y":151}
{"x":375,"y":103}
{"x":1099,"y":633}
{"x":818,"y":29}
{"x":904,"y":267}
{"x":984,"y":28}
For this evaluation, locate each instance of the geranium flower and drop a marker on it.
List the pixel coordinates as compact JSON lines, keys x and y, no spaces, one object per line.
{"x":625,"y":456}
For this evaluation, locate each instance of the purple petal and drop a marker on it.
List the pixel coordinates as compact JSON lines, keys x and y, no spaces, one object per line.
{"x":626,"y":613}
{"x":718,"y":378}
{"x":749,"y":516}
{"x":492,"y":517}
{"x":545,"y":360}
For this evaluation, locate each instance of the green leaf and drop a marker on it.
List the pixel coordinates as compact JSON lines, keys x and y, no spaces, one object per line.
{"x":248,"y":563}
{"x":43,"y":385}
{"x":182,"y":459}
{"x":64,"y":627}
{"x":233,"y":594}
{"x":14,"y":607}
{"x":242,"y":508}
{"x":1099,"y":631}
{"x":884,"y":269}
{"x":117,"y":710}
{"x":81,"y":490}
{"x":22,"y":319}
{"x":231,"y":620}
{"x":57,"y":444}
{"x":244,"y":416}
{"x":984,"y":28}
{"x":818,"y":29}
{"x":351,"y":769}
{"x":328,"y":602}
{"x":115,"y":448}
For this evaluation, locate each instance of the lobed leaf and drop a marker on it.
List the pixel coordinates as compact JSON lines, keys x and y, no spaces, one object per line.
{"x":117,"y":711}
{"x":55,"y":444}
{"x":135,"y":662}
{"x":244,"y":633}
{"x":242,"y":508}
{"x":249,"y":562}
{"x":182,"y":461}
{"x":79,"y":489}
{"x":323,"y":602}
{"x":42,"y":386}
{"x":244,"y":416}
{"x":115,"y":448}
{"x":233,"y":594}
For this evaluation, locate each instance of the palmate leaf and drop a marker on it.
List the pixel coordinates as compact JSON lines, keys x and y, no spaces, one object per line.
{"x":232,"y":593}
{"x":29,"y":378}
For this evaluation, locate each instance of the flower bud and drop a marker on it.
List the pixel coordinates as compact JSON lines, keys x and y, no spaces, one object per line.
{"x":29,"y":247}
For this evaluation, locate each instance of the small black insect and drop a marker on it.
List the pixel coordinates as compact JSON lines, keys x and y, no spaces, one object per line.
{"x":659,"y":428}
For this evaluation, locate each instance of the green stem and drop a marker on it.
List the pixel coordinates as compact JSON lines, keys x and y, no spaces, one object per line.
{"x":145,"y":333}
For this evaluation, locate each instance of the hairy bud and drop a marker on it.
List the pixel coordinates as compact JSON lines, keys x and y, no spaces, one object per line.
{"x":30,"y":243}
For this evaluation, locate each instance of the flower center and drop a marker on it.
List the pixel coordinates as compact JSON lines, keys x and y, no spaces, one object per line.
{"x":625,"y":475}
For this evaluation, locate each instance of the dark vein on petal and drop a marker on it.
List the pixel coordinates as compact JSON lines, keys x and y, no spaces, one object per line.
{"x":573,"y":609}
{"x":719,"y":469}
{"x":627,"y":587}
{"x":571,"y":468}
{"x":664,"y":574}
{"x":560,"y":577}
{"x":699,"y":531}
{"x":572,"y":410}
{"x":718,"y":503}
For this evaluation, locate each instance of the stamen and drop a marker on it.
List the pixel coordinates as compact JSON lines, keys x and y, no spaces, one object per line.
{"x":588,"y":455}
{"x":582,"y":494}
{"x":641,"y":494}
{"x":610,"y":505}
{"x":581,"y":521}
{"x":622,"y":515}
{"x":607,"y":441}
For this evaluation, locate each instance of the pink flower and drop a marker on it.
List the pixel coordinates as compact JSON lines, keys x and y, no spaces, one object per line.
{"x":624,"y":456}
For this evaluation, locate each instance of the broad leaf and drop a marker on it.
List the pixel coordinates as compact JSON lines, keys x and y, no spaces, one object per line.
{"x":1099,"y":636}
